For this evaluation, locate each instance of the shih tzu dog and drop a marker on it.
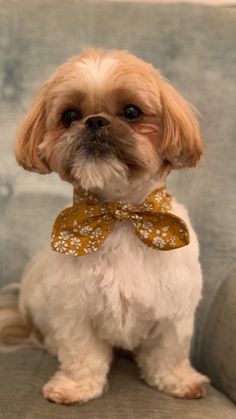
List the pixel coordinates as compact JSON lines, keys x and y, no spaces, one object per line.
{"x":124,"y":271}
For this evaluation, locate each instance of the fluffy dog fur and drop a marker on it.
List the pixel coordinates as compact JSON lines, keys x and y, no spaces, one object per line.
{"x":126,"y":294}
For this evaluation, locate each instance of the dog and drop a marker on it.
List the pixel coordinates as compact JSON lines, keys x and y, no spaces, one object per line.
{"x":113,"y":127}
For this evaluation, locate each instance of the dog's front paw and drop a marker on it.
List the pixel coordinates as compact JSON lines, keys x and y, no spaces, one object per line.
{"x":64,"y":390}
{"x":192,"y":387}
{"x":184,"y":382}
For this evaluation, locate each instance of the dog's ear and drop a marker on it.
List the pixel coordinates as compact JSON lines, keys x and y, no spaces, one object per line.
{"x":181,"y":143}
{"x":30,"y":135}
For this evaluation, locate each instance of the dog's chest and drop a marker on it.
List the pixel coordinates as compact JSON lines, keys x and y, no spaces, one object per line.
{"x":124,"y":289}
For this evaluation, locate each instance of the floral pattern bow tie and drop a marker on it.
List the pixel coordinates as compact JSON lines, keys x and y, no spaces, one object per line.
{"x":83,"y":228}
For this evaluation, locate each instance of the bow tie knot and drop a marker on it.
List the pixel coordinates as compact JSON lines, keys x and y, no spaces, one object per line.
{"x":120,"y":210}
{"x":84,"y":227}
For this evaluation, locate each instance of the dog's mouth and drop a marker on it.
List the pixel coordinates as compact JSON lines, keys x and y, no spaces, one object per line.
{"x":109,"y":144}
{"x":95,"y":145}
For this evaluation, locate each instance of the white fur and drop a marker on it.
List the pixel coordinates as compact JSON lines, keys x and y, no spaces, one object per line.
{"x":125,"y":295}
{"x":91,"y":175}
{"x":98,"y":70}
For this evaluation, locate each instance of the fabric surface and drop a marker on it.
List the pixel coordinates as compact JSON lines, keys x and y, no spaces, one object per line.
{"x":193,"y":46}
{"x":24,"y":373}
{"x":83,"y":227}
{"x":219,"y":346}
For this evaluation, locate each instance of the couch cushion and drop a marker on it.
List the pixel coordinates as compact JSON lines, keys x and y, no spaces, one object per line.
{"x":24,"y":373}
{"x":219,"y":341}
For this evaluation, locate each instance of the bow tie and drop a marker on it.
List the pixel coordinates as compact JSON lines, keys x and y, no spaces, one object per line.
{"x":83,"y":227}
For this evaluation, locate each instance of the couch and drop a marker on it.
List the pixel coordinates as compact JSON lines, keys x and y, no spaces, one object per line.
{"x":194,"y":46}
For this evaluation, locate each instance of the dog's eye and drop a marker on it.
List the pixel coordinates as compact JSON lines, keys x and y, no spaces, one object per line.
{"x":132,"y":112}
{"x":69,"y":116}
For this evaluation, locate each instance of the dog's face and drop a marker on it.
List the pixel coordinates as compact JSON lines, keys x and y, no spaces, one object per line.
{"x":107,"y":120}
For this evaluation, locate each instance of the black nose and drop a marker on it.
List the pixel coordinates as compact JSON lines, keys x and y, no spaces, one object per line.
{"x":96,"y":122}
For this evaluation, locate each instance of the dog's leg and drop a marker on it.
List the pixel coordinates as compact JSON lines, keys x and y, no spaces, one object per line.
{"x":164,"y":360}
{"x":83,"y":371}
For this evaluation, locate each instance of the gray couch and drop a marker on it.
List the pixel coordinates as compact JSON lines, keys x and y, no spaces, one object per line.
{"x":194,"y":46}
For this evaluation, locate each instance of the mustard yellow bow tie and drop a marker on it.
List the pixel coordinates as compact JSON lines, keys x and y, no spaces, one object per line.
{"x":84,"y":227}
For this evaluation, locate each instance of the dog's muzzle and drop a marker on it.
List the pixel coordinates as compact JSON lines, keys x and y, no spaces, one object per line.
{"x":96,"y":140}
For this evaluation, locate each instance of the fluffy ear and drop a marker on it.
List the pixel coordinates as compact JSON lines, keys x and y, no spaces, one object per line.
{"x":30,"y":135}
{"x":181,"y":142}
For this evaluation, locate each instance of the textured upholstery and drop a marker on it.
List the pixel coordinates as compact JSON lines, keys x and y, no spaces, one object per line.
{"x":219,"y":343}
{"x":23,"y":374}
{"x":194,"y":46}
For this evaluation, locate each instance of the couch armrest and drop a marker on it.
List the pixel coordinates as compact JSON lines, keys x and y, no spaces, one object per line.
{"x":218,"y":351}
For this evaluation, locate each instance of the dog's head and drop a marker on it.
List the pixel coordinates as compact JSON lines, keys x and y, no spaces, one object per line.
{"x":108,"y":118}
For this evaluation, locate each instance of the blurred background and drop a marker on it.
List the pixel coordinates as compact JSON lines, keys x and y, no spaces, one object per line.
{"x":193,"y":44}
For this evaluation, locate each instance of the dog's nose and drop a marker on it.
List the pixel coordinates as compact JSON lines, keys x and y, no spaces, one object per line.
{"x":96,"y":122}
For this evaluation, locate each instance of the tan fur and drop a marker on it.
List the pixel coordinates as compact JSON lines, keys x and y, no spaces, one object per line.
{"x":15,"y":332}
{"x":30,"y":136}
{"x":169,"y":124}
{"x":181,"y":141}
